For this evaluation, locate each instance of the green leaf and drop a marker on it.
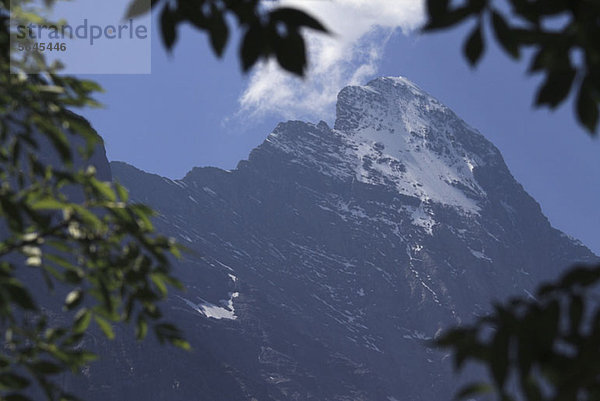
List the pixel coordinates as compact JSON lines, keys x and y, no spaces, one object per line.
{"x":20,"y":295}
{"x":59,"y":261}
{"x":505,"y":35}
{"x":46,"y":367}
{"x":525,"y":351}
{"x":576,"y":309}
{"x":437,"y":8}
{"x":251,"y":47}
{"x":556,"y":87}
{"x":84,"y":357}
{"x":296,"y":18}
{"x":88,"y":217}
{"x":53,"y":334}
{"x":532,"y":389}
{"x":159,"y":281}
{"x":168,"y":26}
{"x":141,"y":328}
{"x":48,"y":204}
{"x":56,"y":136}
{"x":4,"y":362}
{"x":473,"y":389}
{"x":104,"y":189}
{"x":167,"y":331}
{"x":11,"y":381}
{"x":546,"y":325}
{"x":587,"y":107}
{"x":179,"y":343}
{"x":122,"y":192}
{"x":73,"y":339}
{"x":219,"y":33}
{"x":580,"y":276}
{"x":82,"y":320}
{"x":541,"y":60}
{"x":59,"y":245}
{"x":137,"y":8}
{"x":474,"y":46}
{"x":455,"y":337}
{"x":50,"y":89}
{"x":143,"y":214}
{"x":499,"y":356}
{"x":291,"y":53}
{"x":105,"y":326}
{"x":12,"y":213}
{"x":91,"y":86}
{"x":440,"y":17}
{"x":16,"y":397}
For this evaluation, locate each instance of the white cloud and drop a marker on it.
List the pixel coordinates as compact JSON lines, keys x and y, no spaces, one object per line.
{"x":361,"y":30}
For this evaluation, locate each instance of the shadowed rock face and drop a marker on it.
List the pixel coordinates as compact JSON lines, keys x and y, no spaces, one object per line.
{"x":319,"y":265}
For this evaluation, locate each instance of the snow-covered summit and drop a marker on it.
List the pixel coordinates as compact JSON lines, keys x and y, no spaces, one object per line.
{"x":384,"y":100}
{"x":393,"y":133}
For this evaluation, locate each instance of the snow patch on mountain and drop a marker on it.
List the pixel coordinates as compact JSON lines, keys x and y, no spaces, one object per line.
{"x":210,"y":310}
{"x":401,"y":135}
{"x":391,"y":133}
{"x":423,"y":219}
{"x":480,"y":255}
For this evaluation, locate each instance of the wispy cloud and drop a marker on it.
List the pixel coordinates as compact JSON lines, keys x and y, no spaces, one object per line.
{"x":361,"y":30}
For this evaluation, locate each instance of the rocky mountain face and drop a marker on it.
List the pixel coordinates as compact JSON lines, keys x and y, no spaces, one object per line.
{"x":317,"y":268}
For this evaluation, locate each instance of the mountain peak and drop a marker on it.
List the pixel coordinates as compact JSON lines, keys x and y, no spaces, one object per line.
{"x":318,"y":266}
{"x":382,"y":98}
{"x":392,"y":133}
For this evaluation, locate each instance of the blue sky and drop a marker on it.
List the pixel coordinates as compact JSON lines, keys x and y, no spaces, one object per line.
{"x":195,"y":110}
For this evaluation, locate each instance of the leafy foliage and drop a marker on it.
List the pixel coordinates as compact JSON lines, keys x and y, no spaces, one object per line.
{"x":563,"y":36}
{"x":80,"y":237}
{"x":545,"y":348}
{"x":100,"y":252}
{"x":267,"y":31}
{"x":537,"y":349}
